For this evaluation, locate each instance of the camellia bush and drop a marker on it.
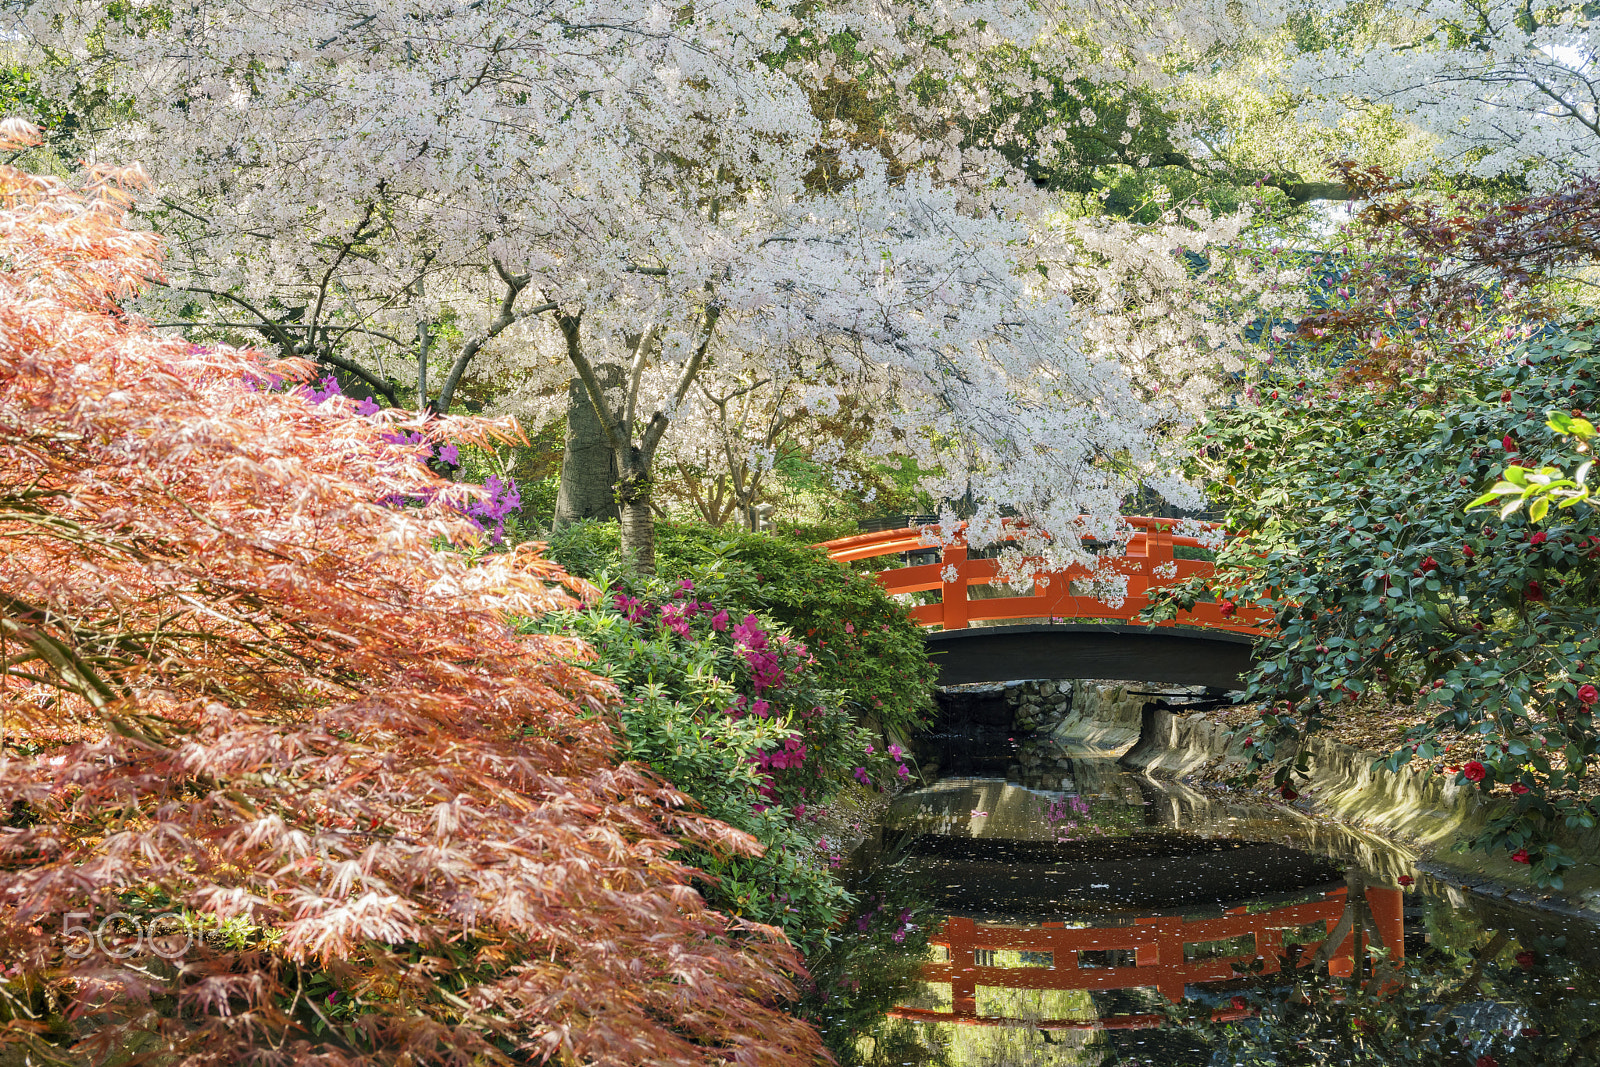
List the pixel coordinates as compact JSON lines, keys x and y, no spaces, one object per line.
{"x":279,"y":781}
{"x":1390,"y":590}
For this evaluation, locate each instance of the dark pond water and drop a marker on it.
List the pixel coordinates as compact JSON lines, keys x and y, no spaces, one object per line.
{"x":1088,"y":916}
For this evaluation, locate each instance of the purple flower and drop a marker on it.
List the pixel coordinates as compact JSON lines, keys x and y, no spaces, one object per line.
{"x":367,"y":407}
{"x":450,"y":454}
{"x":329,"y":389}
{"x":861,"y":776}
{"x":896,"y":751}
{"x":719,"y":621}
{"x":490,"y":515}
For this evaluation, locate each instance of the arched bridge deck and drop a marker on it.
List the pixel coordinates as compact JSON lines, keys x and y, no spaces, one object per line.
{"x":1057,"y":630}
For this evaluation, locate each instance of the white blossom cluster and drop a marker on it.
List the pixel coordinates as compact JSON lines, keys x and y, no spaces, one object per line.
{"x":1502,"y":87}
{"x":392,"y":170}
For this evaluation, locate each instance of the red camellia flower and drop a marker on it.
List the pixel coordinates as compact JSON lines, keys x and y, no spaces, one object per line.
{"x":1520,"y":856}
{"x":1238,"y":1003}
{"x":1287,"y":792}
{"x":1407,"y":880}
{"x":1588,"y":694}
{"x":1227,"y":609}
{"x":1538,"y":537}
{"x":1474,"y":771}
{"x":1430,"y":564}
{"x":1517,"y":788}
{"x":1535,"y":591}
{"x":1466,"y":550}
{"x":1525,"y":960}
{"x":1508,"y":444}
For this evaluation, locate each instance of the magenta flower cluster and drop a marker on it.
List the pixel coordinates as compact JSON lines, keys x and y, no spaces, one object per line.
{"x":489,"y":515}
{"x":765,"y":657}
{"x":675,"y":616}
{"x":902,"y":925}
{"x":792,"y":756}
{"x":773,"y":683}
{"x":897,"y":754}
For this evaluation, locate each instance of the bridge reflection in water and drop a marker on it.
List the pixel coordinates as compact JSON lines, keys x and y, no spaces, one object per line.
{"x":1168,"y":953}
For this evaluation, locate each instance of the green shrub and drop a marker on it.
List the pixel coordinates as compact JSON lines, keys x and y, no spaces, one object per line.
{"x":865,"y":645}
{"x":728,"y":706}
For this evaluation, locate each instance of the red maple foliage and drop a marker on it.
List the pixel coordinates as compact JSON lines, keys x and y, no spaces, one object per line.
{"x":1445,"y":279}
{"x":242,"y":691}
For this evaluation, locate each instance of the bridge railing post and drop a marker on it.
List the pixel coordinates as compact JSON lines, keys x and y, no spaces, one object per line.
{"x":954,"y":593}
{"x":1269,"y":950}
{"x":1159,"y":550}
{"x":1388,"y":915}
{"x":1163,"y":952}
{"x":961,"y":938}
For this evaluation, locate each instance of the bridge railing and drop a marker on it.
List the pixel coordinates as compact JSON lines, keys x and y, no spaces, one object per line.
{"x":1149,"y":563}
{"x":1157,"y":945}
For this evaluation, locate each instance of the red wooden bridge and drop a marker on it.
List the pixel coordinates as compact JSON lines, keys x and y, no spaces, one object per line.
{"x":1157,"y":946}
{"x":1060,"y":629}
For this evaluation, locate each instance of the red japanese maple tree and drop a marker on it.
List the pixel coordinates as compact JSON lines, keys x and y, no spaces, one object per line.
{"x":240,"y":689}
{"x":1429,"y":280}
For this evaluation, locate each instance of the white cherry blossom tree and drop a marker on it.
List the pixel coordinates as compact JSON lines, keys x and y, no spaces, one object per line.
{"x":640,"y":197}
{"x":1498,"y":87}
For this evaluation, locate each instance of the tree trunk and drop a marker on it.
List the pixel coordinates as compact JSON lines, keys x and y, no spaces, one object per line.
{"x":638,"y":521}
{"x":588,"y":466}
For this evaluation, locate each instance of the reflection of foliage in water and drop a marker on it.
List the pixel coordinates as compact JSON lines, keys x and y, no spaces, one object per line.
{"x":1028,"y":1045}
{"x":1470,"y":997}
{"x":1070,"y":819}
{"x":870,"y":966}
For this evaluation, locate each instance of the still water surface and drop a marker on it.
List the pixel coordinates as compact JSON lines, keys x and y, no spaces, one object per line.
{"x":1084,"y":915}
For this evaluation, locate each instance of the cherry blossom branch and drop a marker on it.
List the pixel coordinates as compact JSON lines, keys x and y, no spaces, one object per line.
{"x":659,"y":421}
{"x":616,"y":436}
{"x":641,"y":352}
{"x":515,"y":284}
{"x":327,"y":276}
